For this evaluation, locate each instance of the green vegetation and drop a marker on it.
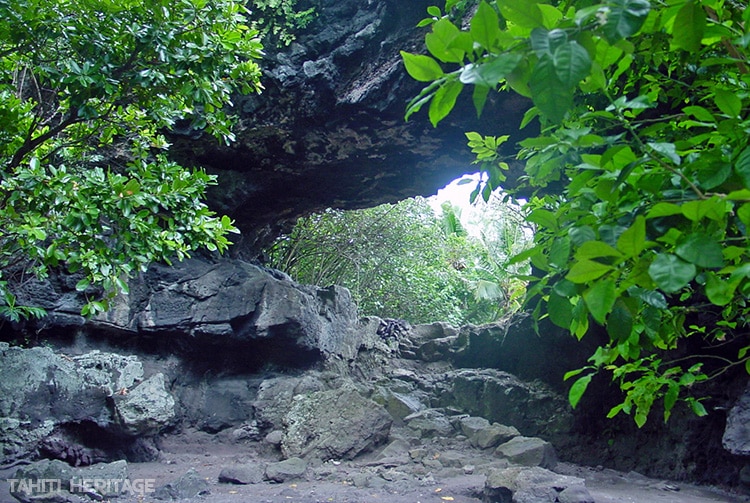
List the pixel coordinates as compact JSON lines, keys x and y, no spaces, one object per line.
{"x":278,"y":21}
{"x":86,"y":86}
{"x":401,"y":260}
{"x":641,"y":172}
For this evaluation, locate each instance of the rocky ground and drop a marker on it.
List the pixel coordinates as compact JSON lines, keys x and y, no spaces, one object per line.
{"x":196,"y":467}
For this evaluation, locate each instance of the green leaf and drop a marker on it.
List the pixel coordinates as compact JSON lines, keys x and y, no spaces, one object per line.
{"x":728,"y":102}
{"x":718,"y":291}
{"x":670,"y":273}
{"x":572,"y":63}
{"x":560,"y":252}
{"x":543,"y":218}
{"x":479,"y":98}
{"x":714,"y":209}
{"x":485,"y":26}
{"x":689,"y":25}
{"x":523,"y":13}
{"x":422,"y":68}
{"x":578,"y":389}
{"x":444,"y":101}
{"x":667,"y":150}
{"x":632,"y":242}
{"x":600,"y":299}
{"x":83,"y":284}
{"x":441,"y":42}
{"x":560,"y":310}
{"x":742,"y":167}
{"x":551,"y":97}
{"x":620,"y":321}
{"x":664,"y":210}
{"x":702,"y":250}
{"x":624,"y":18}
{"x":545,"y":42}
{"x":596,"y":249}
{"x":491,"y":71}
{"x":584,"y":271}
{"x":670,"y":398}
{"x":697,"y":407}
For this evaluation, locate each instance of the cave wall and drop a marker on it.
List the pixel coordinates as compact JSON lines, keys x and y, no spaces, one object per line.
{"x":329,"y":128}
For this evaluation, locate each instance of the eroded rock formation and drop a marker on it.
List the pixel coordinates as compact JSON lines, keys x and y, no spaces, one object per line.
{"x":329,"y":129}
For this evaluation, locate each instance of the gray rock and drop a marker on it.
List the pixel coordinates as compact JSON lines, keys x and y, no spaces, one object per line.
{"x":533,"y":485}
{"x":274,"y":400}
{"x":493,"y":435}
{"x":471,"y":424}
{"x":736,"y":438}
{"x":231,"y":298}
{"x":532,"y":408}
{"x":430,"y":423}
{"x":188,"y":486}
{"x":249,"y":473}
{"x":145,"y":410}
{"x":40,"y":390}
{"x":56,"y":481}
{"x":289,"y":469}
{"x":401,"y":405}
{"x":274,"y":437}
{"x":336,"y":424}
{"x":528,"y":451}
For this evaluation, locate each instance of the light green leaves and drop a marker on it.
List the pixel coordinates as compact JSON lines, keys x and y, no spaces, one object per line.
{"x":444,"y":42}
{"x":485,"y":26}
{"x":444,"y":101}
{"x":578,"y":389}
{"x":422,"y":68}
{"x":491,"y":71}
{"x":642,"y":208}
{"x":523,"y":13}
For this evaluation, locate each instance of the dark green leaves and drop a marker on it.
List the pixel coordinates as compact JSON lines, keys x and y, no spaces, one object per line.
{"x":624,"y":18}
{"x":670,"y":273}
{"x":689,"y":26}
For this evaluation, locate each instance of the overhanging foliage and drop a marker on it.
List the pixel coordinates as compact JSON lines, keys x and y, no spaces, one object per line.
{"x":642,"y":172}
{"x":85,"y":89}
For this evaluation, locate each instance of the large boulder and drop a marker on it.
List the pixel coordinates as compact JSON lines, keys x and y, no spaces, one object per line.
{"x":335,"y":424}
{"x":533,"y":485}
{"x":236,"y":300}
{"x":42,"y":391}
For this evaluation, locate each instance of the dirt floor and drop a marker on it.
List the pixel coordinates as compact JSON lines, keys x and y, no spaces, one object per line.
{"x":370,"y":480}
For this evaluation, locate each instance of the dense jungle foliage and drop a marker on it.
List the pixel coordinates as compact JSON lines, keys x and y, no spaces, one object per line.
{"x":641,"y":173}
{"x":86,"y":87}
{"x":403,"y":260}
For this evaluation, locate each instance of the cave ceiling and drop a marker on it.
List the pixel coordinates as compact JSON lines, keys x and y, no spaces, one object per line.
{"x":329,"y":129}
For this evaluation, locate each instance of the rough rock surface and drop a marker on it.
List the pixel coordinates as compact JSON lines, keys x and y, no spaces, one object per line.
{"x":41,"y":390}
{"x":329,"y":129}
{"x":534,"y":485}
{"x":736,"y":437}
{"x":336,"y":424}
{"x":55,"y":481}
